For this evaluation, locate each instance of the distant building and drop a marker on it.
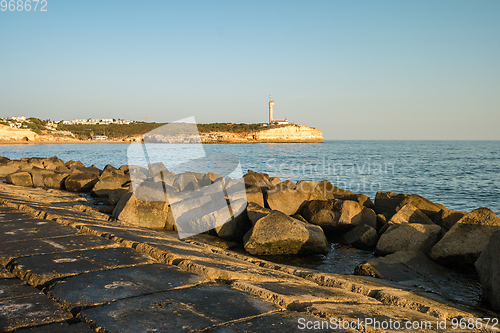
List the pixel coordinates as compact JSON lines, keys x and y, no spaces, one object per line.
{"x":21,"y":118}
{"x":281,"y":122}
{"x":99,"y":137}
{"x":271,"y":118}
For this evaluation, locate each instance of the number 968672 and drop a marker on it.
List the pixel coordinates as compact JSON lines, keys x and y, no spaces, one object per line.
{"x":23,"y":5}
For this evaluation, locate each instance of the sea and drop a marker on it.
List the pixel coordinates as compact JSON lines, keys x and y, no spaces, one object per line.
{"x":462,"y":175}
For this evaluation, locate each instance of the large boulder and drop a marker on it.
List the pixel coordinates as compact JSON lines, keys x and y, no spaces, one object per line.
{"x":238,"y":225}
{"x":408,"y":236}
{"x":108,"y":182}
{"x":20,"y":178}
{"x":186,"y":182}
{"x":414,"y":269}
{"x":447,"y":218}
{"x":488,"y":267}
{"x":148,"y":212}
{"x":254,"y":194}
{"x":387,"y":202}
{"x":410,"y":214}
{"x":253,"y":178}
{"x":285,"y":199}
{"x":362,"y":237}
{"x":278,"y":233}
{"x":463,"y":243}
{"x":80,"y":182}
{"x":11,"y":166}
{"x":255,"y":212}
{"x":320,"y":212}
{"x":47,"y":178}
{"x":351,"y":214}
{"x":429,"y":208}
{"x":52,"y":163}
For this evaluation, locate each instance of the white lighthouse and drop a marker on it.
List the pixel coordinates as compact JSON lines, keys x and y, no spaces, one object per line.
{"x":271,"y":104}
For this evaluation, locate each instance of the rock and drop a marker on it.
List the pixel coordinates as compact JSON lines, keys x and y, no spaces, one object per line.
{"x":72,"y":164}
{"x":62,"y":169}
{"x":80,"y":182}
{"x":329,"y":191}
{"x":488,"y":266}
{"x":90,"y":170}
{"x":108,"y":182}
{"x":254,"y":194}
{"x":47,"y":178}
{"x":410,"y":214}
{"x":144,"y":213}
{"x":35,"y":161}
{"x":186,"y":182}
{"x":256,"y":179}
{"x":209,"y":178}
{"x":52,"y":163}
{"x":286,"y":200}
{"x":362,"y":237}
{"x":289,"y":184}
{"x":387,"y":202}
{"x":255,"y":212}
{"x":125,"y":168}
{"x":4,"y":160}
{"x":427,"y":207}
{"x":156,"y":169}
{"x":408,"y":236}
{"x":352,"y":214}
{"x":110,"y":168}
{"x":462,"y":245}
{"x":20,"y":178}
{"x":447,"y":218}
{"x":115,"y":195}
{"x":381,"y":221}
{"x":274,"y":180}
{"x":320,"y":212}
{"x":238,"y":225}
{"x":300,"y":218}
{"x":11,"y":167}
{"x":413,"y":269}
{"x":278,"y":233}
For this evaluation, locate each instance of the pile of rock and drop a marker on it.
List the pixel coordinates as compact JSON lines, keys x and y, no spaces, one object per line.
{"x":283,"y":217}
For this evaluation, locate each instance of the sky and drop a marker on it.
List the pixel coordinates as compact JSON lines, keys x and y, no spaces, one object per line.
{"x":356,"y":70}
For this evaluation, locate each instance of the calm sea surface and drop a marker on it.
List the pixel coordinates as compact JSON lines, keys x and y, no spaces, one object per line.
{"x":462,"y":175}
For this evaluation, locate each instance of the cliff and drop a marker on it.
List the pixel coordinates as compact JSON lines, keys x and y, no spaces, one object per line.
{"x":275,"y":134}
{"x":15,"y":135}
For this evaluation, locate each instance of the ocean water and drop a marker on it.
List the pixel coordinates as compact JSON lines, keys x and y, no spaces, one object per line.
{"x":462,"y":175}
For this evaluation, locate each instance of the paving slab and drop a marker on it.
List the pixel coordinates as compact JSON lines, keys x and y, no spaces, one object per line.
{"x":59,"y":328}
{"x":23,"y":306}
{"x":110,"y":285}
{"x":11,"y":250}
{"x":279,"y":322}
{"x":32,"y":229}
{"x":297,"y":296}
{"x":180,"y":310}
{"x":41,"y":269}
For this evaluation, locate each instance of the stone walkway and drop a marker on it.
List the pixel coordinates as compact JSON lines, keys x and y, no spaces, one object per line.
{"x":65,"y":267}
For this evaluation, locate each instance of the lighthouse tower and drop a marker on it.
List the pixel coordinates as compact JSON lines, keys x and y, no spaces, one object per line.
{"x":271,"y":104}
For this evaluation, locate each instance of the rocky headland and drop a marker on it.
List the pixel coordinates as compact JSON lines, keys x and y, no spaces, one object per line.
{"x":421,"y":244}
{"x":275,"y":134}
{"x":266,"y":134}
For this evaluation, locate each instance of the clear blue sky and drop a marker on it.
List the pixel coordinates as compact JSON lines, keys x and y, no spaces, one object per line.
{"x":353,"y":69}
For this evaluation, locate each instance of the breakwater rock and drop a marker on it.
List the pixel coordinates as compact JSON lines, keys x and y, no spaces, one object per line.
{"x":270,"y":216}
